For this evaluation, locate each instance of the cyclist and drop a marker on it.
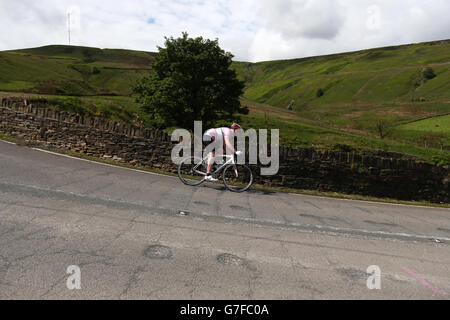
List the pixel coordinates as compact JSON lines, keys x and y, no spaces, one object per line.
{"x":210,"y":136}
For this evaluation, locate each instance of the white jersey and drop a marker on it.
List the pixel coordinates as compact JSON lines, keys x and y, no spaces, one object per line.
{"x":217,"y":132}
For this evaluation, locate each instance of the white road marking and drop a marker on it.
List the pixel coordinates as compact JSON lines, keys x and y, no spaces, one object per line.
{"x":309,"y":228}
{"x":327,"y":229}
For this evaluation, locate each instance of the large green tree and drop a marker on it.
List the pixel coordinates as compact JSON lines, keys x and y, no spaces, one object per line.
{"x":192,"y":81}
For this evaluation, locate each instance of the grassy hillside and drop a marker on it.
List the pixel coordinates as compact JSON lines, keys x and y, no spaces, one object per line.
{"x":369,"y":76}
{"x":361,"y":89}
{"x":360,"y":92}
{"x":66,"y":70}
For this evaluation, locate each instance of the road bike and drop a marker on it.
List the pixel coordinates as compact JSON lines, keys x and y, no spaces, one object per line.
{"x":236,"y":177}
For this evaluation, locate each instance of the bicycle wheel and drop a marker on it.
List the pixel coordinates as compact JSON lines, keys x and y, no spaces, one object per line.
{"x":237,"y":177}
{"x":192,"y":171}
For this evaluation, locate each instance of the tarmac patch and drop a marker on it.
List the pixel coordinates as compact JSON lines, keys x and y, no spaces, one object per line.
{"x":158,"y":252}
{"x":231,"y":259}
{"x":444,"y":229}
{"x":234,"y":207}
{"x":381,"y":223}
{"x":201,"y":203}
{"x":352,"y":274}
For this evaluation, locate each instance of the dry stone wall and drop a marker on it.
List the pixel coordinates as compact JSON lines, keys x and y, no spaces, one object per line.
{"x":380,"y":174}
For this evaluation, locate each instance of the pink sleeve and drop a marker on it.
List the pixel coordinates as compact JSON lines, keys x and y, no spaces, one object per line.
{"x":228,"y":132}
{"x":211,"y":132}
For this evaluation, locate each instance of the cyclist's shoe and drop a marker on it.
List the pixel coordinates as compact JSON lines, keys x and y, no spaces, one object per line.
{"x":211,"y":178}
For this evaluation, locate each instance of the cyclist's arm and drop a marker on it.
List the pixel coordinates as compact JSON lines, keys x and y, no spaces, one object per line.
{"x":229,"y":145}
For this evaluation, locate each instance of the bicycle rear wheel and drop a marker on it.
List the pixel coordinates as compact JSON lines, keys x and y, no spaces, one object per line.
{"x":192,"y":171}
{"x":237,"y":177}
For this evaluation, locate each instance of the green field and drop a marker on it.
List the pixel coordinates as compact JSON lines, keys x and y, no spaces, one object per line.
{"x":434,"y":125}
{"x":361,"y":91}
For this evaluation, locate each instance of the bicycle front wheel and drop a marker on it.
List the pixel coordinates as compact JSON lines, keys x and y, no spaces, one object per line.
{"x":237,"y":177}
{"x":192,"y":171}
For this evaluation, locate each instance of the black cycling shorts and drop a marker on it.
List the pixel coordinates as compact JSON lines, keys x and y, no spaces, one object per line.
{"x":206,"y":142}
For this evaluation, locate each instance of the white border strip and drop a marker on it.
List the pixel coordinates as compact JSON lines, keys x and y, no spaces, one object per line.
{"x":8,"y":142}
{"x":91,"y":161}
{"x":101,"y":163}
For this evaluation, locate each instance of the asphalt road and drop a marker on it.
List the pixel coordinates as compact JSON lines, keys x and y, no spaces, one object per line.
{"x":124,"y":230}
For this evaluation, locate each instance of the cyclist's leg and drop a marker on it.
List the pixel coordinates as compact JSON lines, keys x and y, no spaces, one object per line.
{"x":211,"y":158}
{"x":206,"y":142}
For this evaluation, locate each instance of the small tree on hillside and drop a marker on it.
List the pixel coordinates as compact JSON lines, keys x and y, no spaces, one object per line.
{"x":384,"y":127}
{"x":290,"y":107}
{"x":192,"y":80}
{"x":320,"y":93}
{"x":428,"y":73}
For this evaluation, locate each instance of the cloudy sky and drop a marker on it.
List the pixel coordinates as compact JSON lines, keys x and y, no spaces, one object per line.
{"x":253,"y":30}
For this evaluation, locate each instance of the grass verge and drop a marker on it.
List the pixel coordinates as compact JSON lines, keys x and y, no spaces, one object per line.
{"x":6,"y":137}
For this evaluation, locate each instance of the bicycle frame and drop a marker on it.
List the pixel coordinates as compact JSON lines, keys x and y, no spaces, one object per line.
{"x":199,"y":168}
{"x":220,"y":168}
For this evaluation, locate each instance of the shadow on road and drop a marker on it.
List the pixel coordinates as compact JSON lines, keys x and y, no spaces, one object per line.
{"x":251,"y":191}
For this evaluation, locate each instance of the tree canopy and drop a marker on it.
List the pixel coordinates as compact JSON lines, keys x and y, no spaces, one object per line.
{"x":192,"y":80}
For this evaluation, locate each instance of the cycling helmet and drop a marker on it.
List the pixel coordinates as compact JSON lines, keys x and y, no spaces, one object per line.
{"x":235,"y":126}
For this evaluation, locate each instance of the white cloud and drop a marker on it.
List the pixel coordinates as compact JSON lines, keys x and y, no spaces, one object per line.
{"x":354,"y":25}
{"x":267,"y":43}
{"x":252,"y":30}
{"x":303,"y":18}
